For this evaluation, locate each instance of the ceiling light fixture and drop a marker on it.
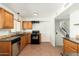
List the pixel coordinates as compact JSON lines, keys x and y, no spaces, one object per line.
{"x":35,"y":13}
{"x":18,"y":16}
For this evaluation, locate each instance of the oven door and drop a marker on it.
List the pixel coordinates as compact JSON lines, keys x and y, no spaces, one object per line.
{"x":35,"y":39}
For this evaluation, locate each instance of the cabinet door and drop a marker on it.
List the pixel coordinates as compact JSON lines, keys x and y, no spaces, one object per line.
{"x":8,"y":20}
{"x":11,"y":20}
{"x":69,"y":50}
{"x":69,"y":47}
{"x":29,"y":37}
{"x":23,"y":42}
{"x":27,"y":25}
{"x":5,"y":48}
{"x":21,"y":45}
{"x":70,"y":43}
{"x":1,"y":18}
{"x":26,"y":38}
{"x":78,"y":48}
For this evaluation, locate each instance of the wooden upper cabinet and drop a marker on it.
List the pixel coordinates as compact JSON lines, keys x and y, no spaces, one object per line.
{"x":27,"y":25}
{"x":6,"y":19}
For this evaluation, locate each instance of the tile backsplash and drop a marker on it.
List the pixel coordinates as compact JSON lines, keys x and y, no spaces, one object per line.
{"x":4,"y":32}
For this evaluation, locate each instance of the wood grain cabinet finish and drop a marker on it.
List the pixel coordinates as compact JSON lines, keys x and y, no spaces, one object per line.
{"x":5,"y":48}
{"x":6,"y":19}
{"x":23,"y":42}
{"x":78,"y":48}
{"x":27,"y":25}
{"x":28,"y":36}
{"x":70,"y":47}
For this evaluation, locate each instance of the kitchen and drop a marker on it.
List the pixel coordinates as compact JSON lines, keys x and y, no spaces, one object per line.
{"x":16,"y":33}
{"x":35,"y":29}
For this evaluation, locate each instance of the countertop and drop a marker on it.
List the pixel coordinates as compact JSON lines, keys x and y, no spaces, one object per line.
{"x":76,"y":40}
{"x":11,"y":36}
{"x":8,"y":39}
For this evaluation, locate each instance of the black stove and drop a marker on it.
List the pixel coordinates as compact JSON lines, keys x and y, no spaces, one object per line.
{"x":35,"y":37}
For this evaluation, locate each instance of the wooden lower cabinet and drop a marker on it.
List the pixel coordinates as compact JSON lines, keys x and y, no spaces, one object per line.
{"x":70,"y":47}
{"x":23,"y":42}
{"x":28,"y":36}
{"x":69,"y":50}
{"x":78,"y":48}
{"x":6,"y":46}
{"x":5,"y":49}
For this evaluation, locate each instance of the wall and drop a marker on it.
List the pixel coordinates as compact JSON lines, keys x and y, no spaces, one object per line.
{"x":43,"y":27}
{"x":17,"y":26}
{"x":74,"y":19}
{"x":52,"y":31}
{"x":60,"y":34}
{"x":4,"y":31}
{"x":52,"y":22}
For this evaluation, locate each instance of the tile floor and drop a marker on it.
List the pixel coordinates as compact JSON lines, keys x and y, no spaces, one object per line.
{"x":43,"y":49}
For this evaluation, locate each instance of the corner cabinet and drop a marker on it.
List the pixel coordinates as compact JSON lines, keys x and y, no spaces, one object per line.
{"x":27,"y":25}
{"x":6,"y":19}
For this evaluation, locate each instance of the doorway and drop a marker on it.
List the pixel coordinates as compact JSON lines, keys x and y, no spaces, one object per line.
{"x":61,"y":30}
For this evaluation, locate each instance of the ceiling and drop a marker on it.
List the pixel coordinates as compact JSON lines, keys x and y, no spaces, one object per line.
{"x":28,"y":10}
{"x":66,"y":14}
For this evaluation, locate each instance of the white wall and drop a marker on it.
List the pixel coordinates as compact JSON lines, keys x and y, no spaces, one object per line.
{"x":52,"y":31}
{"x":74,"y":19}
{"x":44,"y":28}
{"x":52,"y":22}
{"x":17,"y":26}
{"x":59,"y":35}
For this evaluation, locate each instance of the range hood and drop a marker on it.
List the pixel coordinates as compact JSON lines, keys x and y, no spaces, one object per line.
{"x":38,"y":21}
{"x":35,"y":21}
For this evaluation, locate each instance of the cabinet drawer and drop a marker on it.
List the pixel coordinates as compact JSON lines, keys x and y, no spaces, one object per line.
{"x":70,"y":44}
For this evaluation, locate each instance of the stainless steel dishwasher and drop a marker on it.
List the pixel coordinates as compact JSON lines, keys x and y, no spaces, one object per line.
{"x":15,"y":46}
